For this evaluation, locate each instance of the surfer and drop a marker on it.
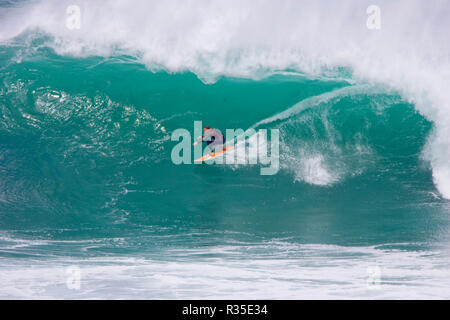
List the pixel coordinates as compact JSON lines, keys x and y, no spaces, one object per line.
{"x":215,"y":139}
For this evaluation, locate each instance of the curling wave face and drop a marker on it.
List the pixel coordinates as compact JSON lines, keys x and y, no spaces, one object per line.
{"x":409,"y":53}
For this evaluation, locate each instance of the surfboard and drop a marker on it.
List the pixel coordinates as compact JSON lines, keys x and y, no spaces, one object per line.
{"x":217,"y":154}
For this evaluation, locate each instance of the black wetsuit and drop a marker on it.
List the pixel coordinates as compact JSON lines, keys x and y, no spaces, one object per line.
{"x":214,"y":138}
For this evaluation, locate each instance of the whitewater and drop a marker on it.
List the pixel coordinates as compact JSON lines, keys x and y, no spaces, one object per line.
{"x":359,"y":207}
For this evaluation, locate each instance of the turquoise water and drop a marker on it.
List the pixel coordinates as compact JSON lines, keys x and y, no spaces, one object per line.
{"x":86,"y":180}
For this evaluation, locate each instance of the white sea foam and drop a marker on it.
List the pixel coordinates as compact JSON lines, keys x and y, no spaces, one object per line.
{"x":410,"y":52}
{"x":288,"y":271}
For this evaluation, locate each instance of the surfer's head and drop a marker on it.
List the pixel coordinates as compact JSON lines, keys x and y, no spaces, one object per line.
{"x":206,"y":128}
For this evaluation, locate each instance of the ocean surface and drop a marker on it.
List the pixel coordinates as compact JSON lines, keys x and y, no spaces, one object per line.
{"x":92,"y":205}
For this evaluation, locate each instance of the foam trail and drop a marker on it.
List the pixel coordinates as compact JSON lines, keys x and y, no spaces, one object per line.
{"x":410,"y":53}
{"x":314,"y":101}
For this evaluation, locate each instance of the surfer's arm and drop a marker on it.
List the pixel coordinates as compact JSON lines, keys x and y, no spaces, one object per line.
{"x":199,"y":138}
{"x":206,"y":137}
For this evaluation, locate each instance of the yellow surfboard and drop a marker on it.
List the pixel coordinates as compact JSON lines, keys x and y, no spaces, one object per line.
{"x":217,"y":154}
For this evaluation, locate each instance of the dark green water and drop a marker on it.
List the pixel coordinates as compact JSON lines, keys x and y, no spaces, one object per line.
{"x":83,"y":155}
{"x":86,"y":172}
